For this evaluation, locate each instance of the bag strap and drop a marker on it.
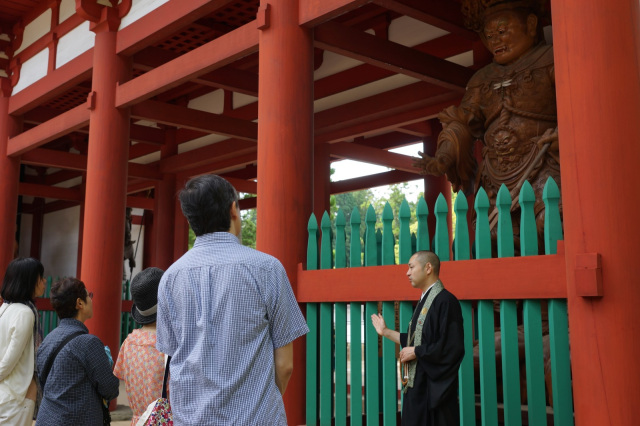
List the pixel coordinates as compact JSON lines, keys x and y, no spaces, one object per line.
{"x":166,"y":374}
{"x":49,"y":363}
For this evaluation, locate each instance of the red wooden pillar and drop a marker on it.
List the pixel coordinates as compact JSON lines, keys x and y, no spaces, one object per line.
{"x":164,"y":208}
{"x":9,"y":179}
{"x":598,"y":92}
{"x":285,"y":156}
{"x":322,"y":181}
{"x":106,"y":184}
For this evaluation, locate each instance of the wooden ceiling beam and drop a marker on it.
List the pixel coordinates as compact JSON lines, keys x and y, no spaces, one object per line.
{"x":44,"y":191}
{"x":391,"y":56}
{"x":189,"y":118}
{"x":380,"y":157}
{"x":68,"y":161}
{"x":61,"y":125}
{"x":441,"y":14}
{"x":196,"y":63}
{"x":162,"y":22}
{"x":371,"y":181}
{"x":314,"y":12}
{"x":207,"y":155}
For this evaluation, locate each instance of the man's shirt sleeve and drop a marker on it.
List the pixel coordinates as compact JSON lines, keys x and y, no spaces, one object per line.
{"x":165,"y":337}
{"x":286,"y":322}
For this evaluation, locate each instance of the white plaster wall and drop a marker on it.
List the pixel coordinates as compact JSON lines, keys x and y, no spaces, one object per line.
{"x":35,"y":29}
{"x":139,"y":8}
{"x":60,"y":231}
{"x":137,"y":234}
{"x":67,"y":9}
{"x":75,"y":42}
{"x":33,"y":70}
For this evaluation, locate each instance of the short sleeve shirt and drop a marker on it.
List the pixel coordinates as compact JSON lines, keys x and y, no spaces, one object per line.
{"x":222,"y":311}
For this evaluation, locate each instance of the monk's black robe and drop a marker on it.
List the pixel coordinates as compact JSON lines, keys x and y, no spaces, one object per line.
{"x":433,"y":399}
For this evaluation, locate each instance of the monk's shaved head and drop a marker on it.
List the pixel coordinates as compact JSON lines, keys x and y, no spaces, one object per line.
{"x":426,"y":256}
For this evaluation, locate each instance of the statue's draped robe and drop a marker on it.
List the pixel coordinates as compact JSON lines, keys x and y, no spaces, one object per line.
{"x":508,"y":107}
{"x":433,"y":399}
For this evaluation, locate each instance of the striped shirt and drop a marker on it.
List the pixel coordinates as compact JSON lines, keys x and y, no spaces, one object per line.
{"x":222,"y":311}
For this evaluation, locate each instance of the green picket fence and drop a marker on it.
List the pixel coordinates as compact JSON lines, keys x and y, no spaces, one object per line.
{"x":342,"y":388}
{"x":49,"y":319}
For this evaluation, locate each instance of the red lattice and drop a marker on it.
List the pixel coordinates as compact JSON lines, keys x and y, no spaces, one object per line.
{"x":69,"y":99}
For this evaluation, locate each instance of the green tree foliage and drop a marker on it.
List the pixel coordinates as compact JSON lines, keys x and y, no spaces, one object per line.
{"x":249,"y":228}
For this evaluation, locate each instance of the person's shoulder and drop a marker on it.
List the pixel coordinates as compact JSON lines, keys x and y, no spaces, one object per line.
{"x":446,"y":296}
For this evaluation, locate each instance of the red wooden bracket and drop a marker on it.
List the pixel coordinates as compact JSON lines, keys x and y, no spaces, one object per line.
{"x":263,"y":17}
{"x":91,"y":101}
{"x":588,"y":275}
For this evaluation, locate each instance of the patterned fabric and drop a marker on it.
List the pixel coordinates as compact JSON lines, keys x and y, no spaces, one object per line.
{"x":80,"y":377}
{"x":141,"y":367}
{"x":222,"y":311}
{"x":160,"y":414}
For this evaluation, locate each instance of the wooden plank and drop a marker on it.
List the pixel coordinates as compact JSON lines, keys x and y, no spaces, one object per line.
{"x":314,"y":12}
{"x":312,"y":414}
{"x":326,"y":367}
{"x":389,"y":370}
{"x":355,"y":351}
{"x":560,"y":363}
{"x":530,"y":277}
{"x":487,"y":351}
{"x":388,"y":239}
{"x":534,"y":361}
{"x":422,"y":237}
{"x":442,"y":231}
{"x":466,"y":383}
{"x":341,"y":364}
{"x":510,"y":363}
{"x":372,"y":378}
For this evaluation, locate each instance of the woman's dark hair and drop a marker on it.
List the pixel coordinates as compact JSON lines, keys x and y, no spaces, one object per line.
{"x":21,"y":279}
{"x":64,"y":295}
{"x":206,"y":203}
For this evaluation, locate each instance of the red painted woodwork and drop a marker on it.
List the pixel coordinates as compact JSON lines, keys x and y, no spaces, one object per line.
{"x":314,"y":12}
{"x":321,"y":180}
{"x":392,"y":56}
{"x":103,"y":234}
{"x":206,"y":58}
{"x":35,"y":190}
{"x":9,"y":178}
{"x":598,"y":97}
{"x":374,"y":156}
{"x":44,"y":304}
{"x":164,"y":209}
{"x":285,"y":157}
{"x":371,"y":181}
{"x":528,"y":277}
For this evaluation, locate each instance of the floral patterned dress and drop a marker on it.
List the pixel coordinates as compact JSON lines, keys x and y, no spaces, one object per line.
{"x":141,"y":367}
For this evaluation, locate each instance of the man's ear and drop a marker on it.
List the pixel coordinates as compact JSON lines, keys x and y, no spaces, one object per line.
{"x":235,"y":210}
{"x":532,"y":25}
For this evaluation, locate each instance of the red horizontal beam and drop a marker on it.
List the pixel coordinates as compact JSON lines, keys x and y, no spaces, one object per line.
{"x":140,"y":203}
{"x":371,"y":181}
{"x":392,"y":56}
{"x":54,"y":192}
{"x":445,"y":15}
{"x":241,"y":185}
{"x":162,"y":22}
{"x":189,"y":118}
{"x":313,"y":12}
{"x":61,"y":125}
{"x":377,"y":156}
{"x":207,"y":155}
{"x":53,"y":84}
{"x":530,"y":277}
{"x":205,"y":59}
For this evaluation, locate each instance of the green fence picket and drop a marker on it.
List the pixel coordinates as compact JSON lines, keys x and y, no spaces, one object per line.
{"x":528,"y":231}
{"x":341,"y":329}
{"x":326,"y":329}
{"x":422,"y":213}
{"x":372,"y":382}
{"x":404,"y":239}
{"x":355,"y":352}
{"x":442,"y":230}
{"x":312,"y":414}
{"x":510,"y":363}
{"x":341,"y":241}
{"x":552,"y":221}
{"x":534,"y":359}
{"x":560,"y":363}
{"x":389,"y":370}
{"x":370,"y":242}
{"x":355,"y":246}
{"x":388,"y":240}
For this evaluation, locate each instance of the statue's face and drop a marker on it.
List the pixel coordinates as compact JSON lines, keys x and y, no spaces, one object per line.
{"x":507,"y":37}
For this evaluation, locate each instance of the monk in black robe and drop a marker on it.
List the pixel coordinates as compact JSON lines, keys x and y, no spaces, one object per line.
{"x":432,"y":350}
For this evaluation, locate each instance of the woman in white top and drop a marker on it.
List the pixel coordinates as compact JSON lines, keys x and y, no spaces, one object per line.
{"x":19,"y":338}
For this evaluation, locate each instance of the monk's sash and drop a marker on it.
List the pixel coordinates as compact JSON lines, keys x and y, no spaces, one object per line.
{"x":417,"y":334}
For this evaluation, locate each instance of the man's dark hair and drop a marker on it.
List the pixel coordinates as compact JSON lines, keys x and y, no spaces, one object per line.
{"x":427,"y":256}
{"x":21,"y":279}
{"x":206,"y":203}
{"x":64,"y":295}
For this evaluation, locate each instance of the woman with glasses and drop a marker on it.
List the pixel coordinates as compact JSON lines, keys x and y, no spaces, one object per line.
{"x":73,"y":368}
{"x":19,"y":340}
